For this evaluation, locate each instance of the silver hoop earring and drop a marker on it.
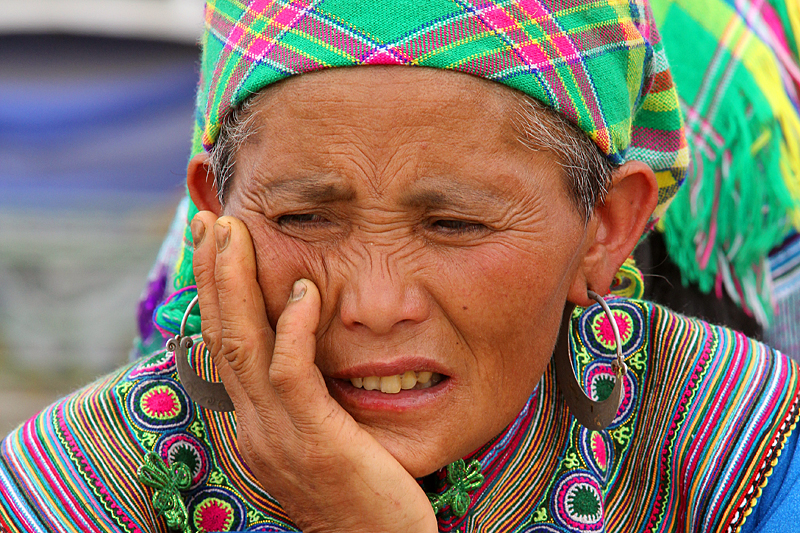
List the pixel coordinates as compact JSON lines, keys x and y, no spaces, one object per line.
{"x":590,"y":413}
{"x":204,"y":393}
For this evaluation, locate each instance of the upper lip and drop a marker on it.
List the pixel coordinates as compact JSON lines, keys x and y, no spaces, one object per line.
{"x":389,"y":368}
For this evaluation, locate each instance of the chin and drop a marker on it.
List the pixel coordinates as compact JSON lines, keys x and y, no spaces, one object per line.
{"x":420,"y":454}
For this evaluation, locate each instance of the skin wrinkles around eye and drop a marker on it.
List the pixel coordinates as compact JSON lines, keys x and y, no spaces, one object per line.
{"x":302,"y":220}
{"x":461,"y":215}
{"x":324,"y":208}
{"x":301,"y":207}
{"x":315,"y":206}
{"x":453,"y":231}
{"x":315,"y":225}
{"x":455,"y":226}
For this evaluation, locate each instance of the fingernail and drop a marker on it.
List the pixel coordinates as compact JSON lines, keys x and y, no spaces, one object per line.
{"x":298,"y":291}
{"x":198,"y":232}
{"x":222,"y":233}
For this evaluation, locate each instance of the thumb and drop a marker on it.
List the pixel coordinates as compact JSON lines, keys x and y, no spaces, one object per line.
{"x":292,"y":372}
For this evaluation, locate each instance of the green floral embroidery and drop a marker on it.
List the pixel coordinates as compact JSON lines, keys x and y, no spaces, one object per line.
{"x":168,"y":482}
{"x":571,"y":460}
{"x":216,"y":477}
{"x":622,"y":435}
{"x":148,"y":439}
{"x":197,"y":429}
{"x":583,"y":358}
{"x":463,"y":479}
{"x":254,"y":516}
{"x":637,"y":361}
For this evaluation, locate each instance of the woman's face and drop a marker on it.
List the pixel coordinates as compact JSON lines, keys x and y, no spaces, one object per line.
{"x":439,"y":243}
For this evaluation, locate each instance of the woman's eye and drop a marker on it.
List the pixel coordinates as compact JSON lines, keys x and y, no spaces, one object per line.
{"x":457,"y":226}
{"x":301,"y":219}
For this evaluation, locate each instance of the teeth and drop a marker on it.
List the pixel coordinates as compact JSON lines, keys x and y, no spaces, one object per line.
{"x":390,"y":384}
{"x":394,"y":384}
{"x":372,"y":383}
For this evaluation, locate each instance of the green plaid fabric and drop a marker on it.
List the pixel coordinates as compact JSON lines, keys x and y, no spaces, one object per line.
{"x":737,"y":69}
{"x":599,"y":63}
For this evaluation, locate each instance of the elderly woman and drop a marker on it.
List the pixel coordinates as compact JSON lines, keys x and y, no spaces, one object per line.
{"x":397,"y":265}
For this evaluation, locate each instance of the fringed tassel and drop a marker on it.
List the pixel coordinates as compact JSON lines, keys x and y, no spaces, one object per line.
{"x":793,"y":33}
{"x":742,"y":194}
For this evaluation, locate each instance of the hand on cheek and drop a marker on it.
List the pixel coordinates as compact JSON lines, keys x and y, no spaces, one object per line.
{"x":328,"y":473}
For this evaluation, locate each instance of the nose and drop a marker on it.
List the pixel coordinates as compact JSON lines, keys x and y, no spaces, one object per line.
{"x":379,"y":295}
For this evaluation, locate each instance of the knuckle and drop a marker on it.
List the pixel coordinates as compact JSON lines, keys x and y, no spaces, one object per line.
{"x":236,"y":341}
{"x":237,"y":364}
{"x":239,"y":350}
{"x":290,"y":321}
{"x":225,"y":291}
{"x":234,"y":354}
{"x":283,"y":376}
{"x":211,"y":337}
{"x":201,"y":268}
{"x":253,"y":453}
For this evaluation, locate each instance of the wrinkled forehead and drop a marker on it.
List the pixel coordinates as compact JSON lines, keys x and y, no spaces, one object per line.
{"x":388,"y":123}
{"x":392,"y":98}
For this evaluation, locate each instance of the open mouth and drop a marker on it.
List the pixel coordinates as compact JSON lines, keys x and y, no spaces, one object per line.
{"x":409,"y":380}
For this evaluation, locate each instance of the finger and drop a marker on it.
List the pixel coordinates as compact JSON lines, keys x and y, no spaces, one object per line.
{"x":293,"y":374}
{"x":247,"y":338}
{"x":203,"y":260}
{"x":204,"y":265}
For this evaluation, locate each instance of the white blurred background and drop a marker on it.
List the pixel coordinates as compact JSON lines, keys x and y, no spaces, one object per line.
{"x":96,"y":115}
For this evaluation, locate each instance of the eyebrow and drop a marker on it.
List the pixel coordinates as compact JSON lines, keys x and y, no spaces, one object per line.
{"x":444,"y":193}
{"x":425,"y":194}
{"x":318,"y":189}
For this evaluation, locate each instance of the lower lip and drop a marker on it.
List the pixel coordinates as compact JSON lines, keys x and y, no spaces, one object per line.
{"x":349,"y":396}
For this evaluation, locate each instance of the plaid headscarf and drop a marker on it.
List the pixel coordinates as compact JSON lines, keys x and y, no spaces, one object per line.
{"x":599,"y":63}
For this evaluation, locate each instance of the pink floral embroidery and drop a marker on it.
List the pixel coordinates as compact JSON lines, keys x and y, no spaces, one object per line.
{"x":605,"y":332}
{"x":161,"y":403}
{"x":213,"y":515}
{"x":599,"y":450}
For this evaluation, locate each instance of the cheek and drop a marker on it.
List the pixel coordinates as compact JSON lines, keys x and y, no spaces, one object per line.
{"x":507,"y":303}
{"x":280,"y":262}
{"x":522,"y":283}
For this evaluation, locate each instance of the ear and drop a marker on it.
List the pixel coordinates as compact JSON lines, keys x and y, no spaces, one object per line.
{"x":200,"y":182}
{"x":615,"y":228}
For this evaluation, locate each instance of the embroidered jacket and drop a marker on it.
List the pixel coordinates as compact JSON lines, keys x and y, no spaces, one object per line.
{"x":705,"y":414}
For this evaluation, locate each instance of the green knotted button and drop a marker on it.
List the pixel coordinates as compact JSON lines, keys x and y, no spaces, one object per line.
{"x":168,"y":482}
{"x":463,"y":479}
